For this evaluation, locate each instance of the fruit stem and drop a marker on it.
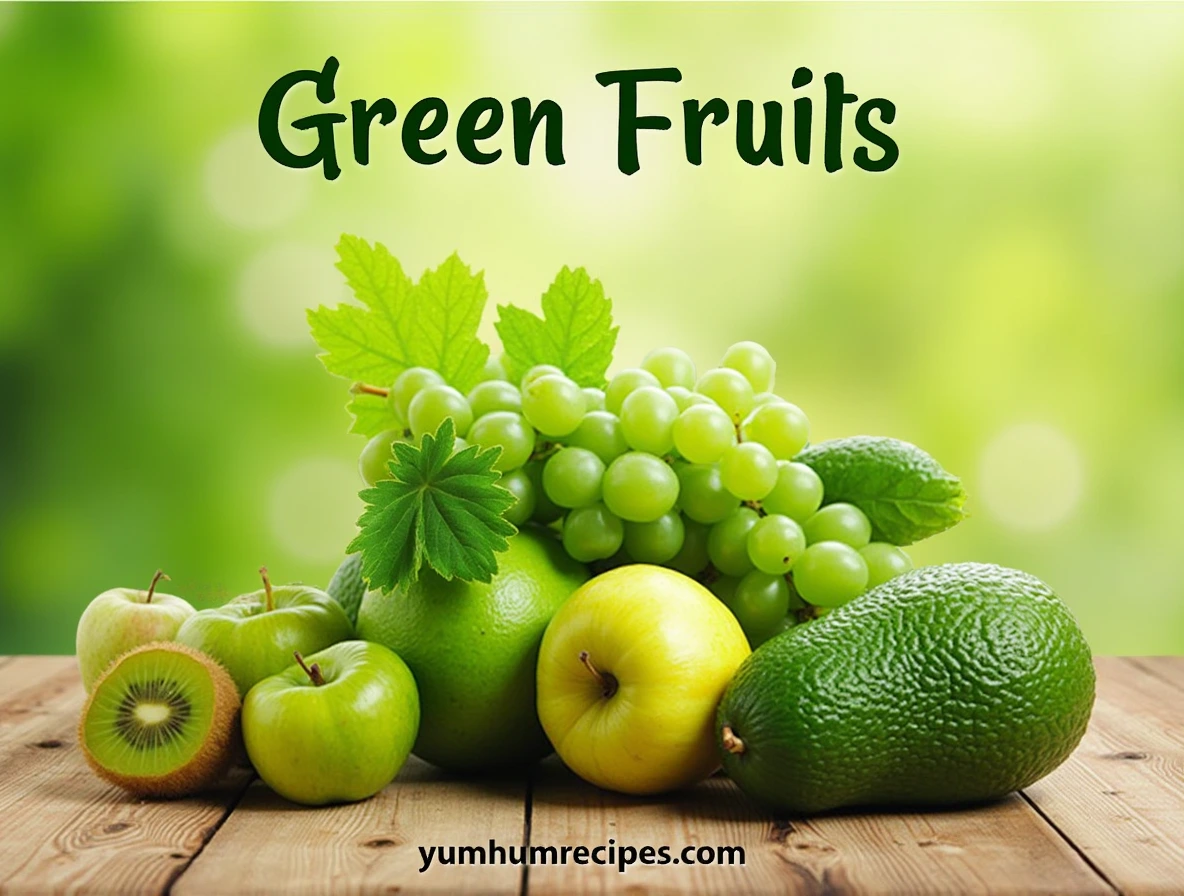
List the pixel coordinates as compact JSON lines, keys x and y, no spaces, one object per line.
{"x":152,"y":588}
{"x":367,"y":389}
{"x":313,"y":671}
{"x":270,"y":605}
{"x":607,"y":681}
{"x":731,"y":742}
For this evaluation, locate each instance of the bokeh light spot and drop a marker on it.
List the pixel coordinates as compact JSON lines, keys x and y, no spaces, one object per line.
{"x":1031,"y":477}
{"x":313,"y":507}
{"x":246,"y":188}
{"x":278,"y":284}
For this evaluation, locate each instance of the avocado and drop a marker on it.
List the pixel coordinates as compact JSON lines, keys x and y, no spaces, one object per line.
{"x":946,"y":685}
{"x":347,"y":586}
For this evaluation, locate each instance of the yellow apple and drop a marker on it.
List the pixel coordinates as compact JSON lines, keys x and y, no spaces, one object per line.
{"x":630,"y":671}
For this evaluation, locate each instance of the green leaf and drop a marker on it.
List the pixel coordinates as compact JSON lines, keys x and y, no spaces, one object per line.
{"x":451,"y":300}
{"x":904,"y":492}
{"x":441,"y":510}
{"x":432,"y":323}
{"x":372,"y":414}
{"x":375,"y":343}
{"x":576,"y":332}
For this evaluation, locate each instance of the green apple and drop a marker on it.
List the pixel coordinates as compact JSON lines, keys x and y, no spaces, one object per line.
{"x":334,"y":728}
{"x":630,"y":671}
{"x":122,"y":619}
{"x":255,"y":634}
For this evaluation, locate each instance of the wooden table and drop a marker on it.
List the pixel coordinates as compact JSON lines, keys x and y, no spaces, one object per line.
{"x":1111,"y":819}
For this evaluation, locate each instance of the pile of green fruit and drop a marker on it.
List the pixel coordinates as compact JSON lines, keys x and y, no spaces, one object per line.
{"x":176,"y":694}
{"x":668,"y":468}
{"x":653,"y":574}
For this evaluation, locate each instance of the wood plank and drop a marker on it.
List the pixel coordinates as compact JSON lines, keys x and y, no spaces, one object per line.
{"x":1169,"y":668}
{"x":63,"y":829}
{"x":1002,"y":848}
{"x":1120,"y":797}
{"x":272,"y":846}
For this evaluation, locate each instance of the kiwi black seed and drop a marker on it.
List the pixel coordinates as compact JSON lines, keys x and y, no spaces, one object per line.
{"x":161,"y":721}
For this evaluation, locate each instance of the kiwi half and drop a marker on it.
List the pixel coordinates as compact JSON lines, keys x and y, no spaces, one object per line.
{"x":161,"y":721}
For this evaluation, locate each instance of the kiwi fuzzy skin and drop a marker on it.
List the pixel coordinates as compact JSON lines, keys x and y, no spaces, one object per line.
{"x":221,"y":747}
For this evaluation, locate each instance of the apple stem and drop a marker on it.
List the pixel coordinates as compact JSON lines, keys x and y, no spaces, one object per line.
{"x":367,"y":389}
{"x":267,"y":588}
{"x":731,"y":742}
{"x":607,"y":681}
{"x":152,"y":588}
{"x":313,"y":671}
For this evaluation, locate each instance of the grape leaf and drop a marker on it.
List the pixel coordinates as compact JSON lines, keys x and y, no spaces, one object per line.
{"x":432,"y":323}
{"x":441,"y":510}
{"x":372,"y":414}
{"x":576,"y":332}
{"x":905,"y":493}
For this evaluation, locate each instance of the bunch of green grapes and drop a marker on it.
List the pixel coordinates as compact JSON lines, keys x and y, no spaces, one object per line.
{"x":665,"y":466}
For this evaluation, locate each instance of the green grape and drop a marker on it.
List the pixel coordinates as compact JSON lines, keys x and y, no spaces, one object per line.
{"x":494,"y":369}
{"x":408,"y":384}
{"x":780,"y":427}
{"x":703,"y":432}
{"x":624,"y":383}
{"x":593,"y":399}
{"x":639,"y":487}
{"x":724,"y":587}
{"x":433,"y":405}
{"x":839,"y":522}
{"x":681,"y":396}
{"x":729,"y":389}
{"x":760,"y":603}
{"x":787,"y":622}
{"x":545,"y":510}
{"x":754,"y":361}
{"x":518,"y":484}
{"x":884,"y":561}
{"x":763,"y":398}
{"x":691,"y":558}
{"x":537,"y":371}
{"x":553,"y":404}
{"x":459,"y":445}
{"x":695,"y":398}
{"x":727,"y":543}
{"x":572,"y":477}
{"x":797,"y":494}
{"x":672,"y":367}
{"x":600,"y":432}
{"x":775,"y":543}
{"x":494,"y":395}
{"x":656,"y":542}
{"x":830,"y":573}
{"x":592,"y":533}
{"x":508,"y":430}
{"x":647,"y":420}
{"x":374,"y":461}
{"x":701,"y":493}
{"x":749,"y":471}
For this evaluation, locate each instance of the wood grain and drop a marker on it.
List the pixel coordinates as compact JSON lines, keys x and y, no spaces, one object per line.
{"x":61,"y":828}
{"x":1114,"y":812}
{"x":1169,"y":668}
{"x":1120,"y":797}
{"x":272,"y":846}
{"x":1004,"y":848}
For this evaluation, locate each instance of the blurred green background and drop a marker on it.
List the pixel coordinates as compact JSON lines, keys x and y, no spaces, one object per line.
{"x":1010,"y":296}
